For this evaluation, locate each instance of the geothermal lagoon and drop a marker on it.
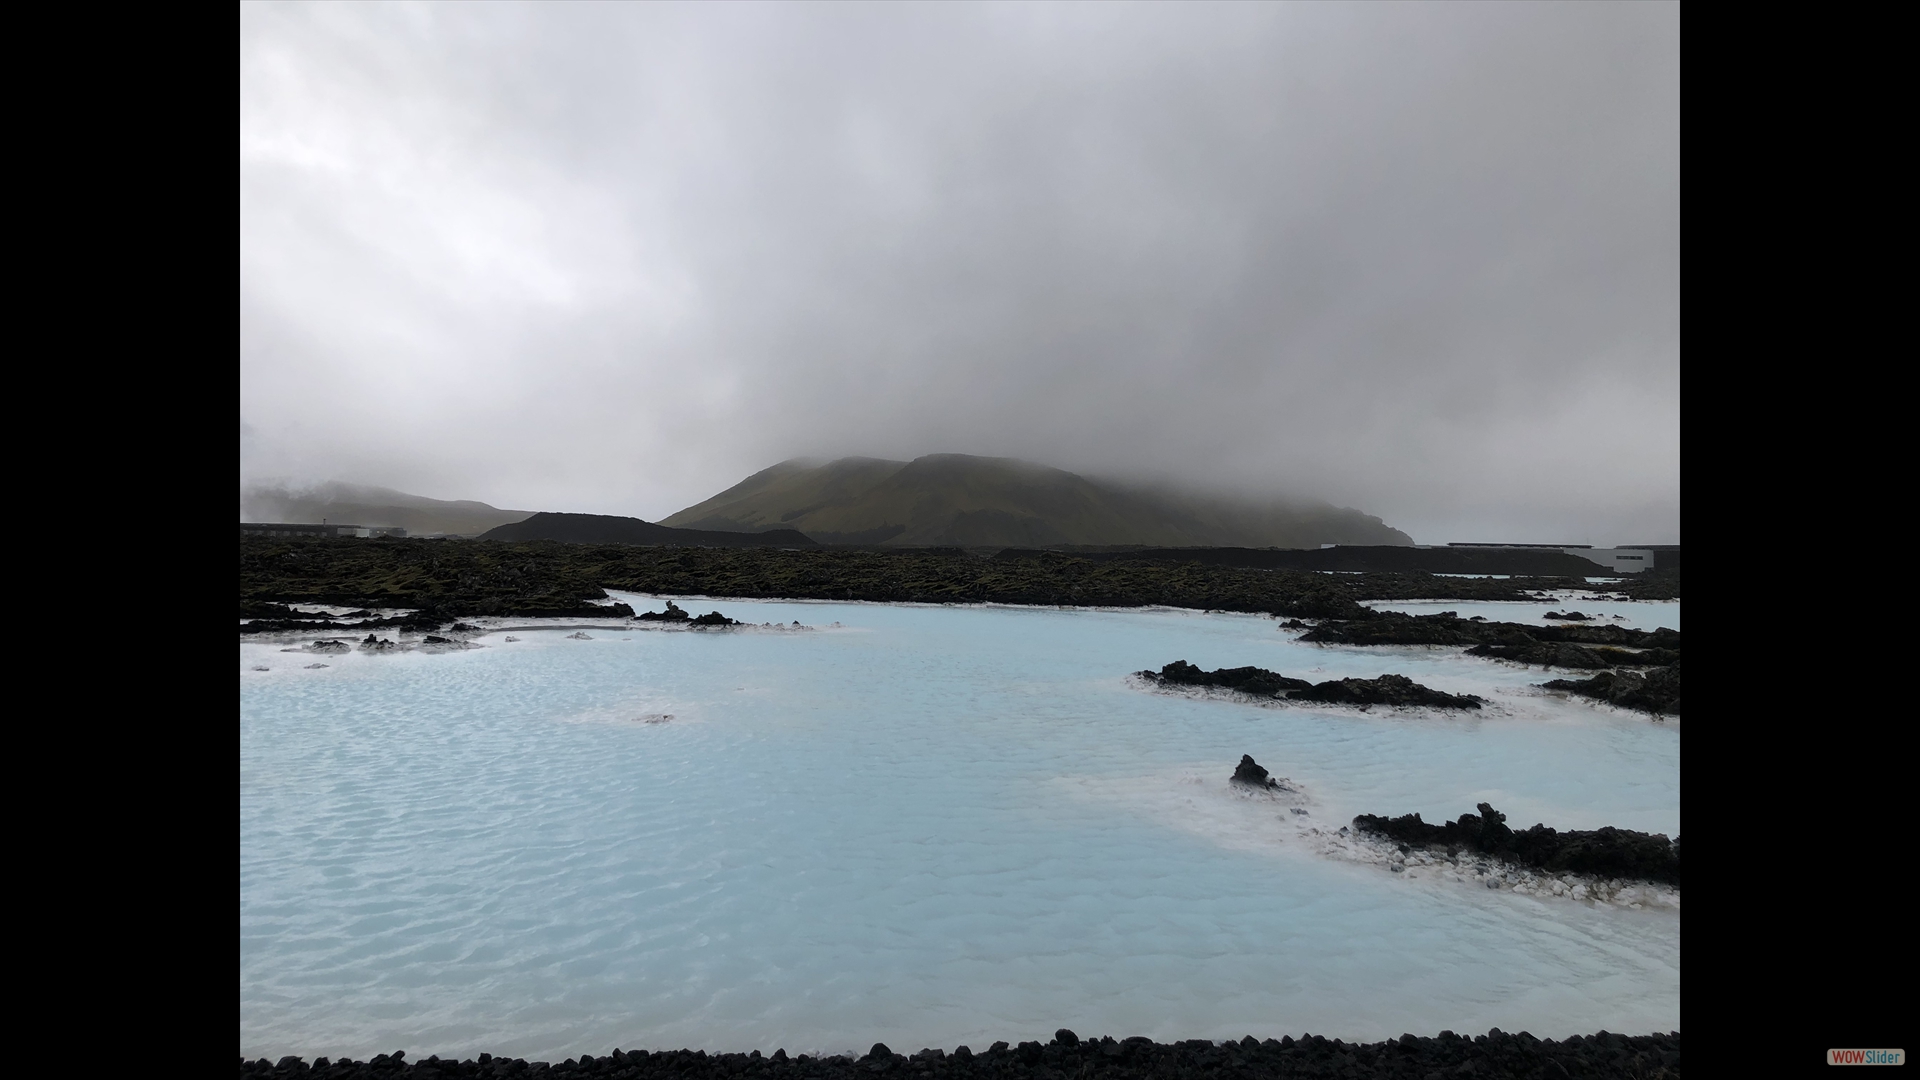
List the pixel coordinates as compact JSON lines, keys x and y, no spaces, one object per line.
{"x":921,"y":825}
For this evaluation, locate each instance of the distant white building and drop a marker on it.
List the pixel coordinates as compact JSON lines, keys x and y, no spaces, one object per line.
{"x":1617,"y":560}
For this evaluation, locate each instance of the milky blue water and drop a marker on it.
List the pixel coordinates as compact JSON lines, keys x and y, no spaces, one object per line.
{"x":932,"y":826}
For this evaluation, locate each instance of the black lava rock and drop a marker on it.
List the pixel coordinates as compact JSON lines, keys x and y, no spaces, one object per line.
{"x":1250,"y":773}
{"x":1494,"y":1055}
{"x":1386,"y":690}
{"x":1606,"y":852}
{"x":262,"y":610}
{"x":1546,"y":654}
{"x":544,"y":578}
{"x":1657,"y":691}
{"x":1395,"y":628}
{"x":1259,"y":682}
{"x":672,"y":614}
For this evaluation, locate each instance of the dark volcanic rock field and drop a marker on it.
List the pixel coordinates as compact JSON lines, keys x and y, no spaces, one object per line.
{"x":1656,"y":691}
{"x":467,"y":578}
{"x":1491,"y":1056}
{"x":439,"y":581}
{"x":1653,"y":684}
{"x":1446,"y":628}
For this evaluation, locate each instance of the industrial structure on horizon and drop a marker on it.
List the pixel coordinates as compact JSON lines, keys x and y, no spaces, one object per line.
{"x":1620,"y":560}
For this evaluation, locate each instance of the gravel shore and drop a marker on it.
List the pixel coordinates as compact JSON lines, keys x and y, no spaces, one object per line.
{"x":1495,"y":1054}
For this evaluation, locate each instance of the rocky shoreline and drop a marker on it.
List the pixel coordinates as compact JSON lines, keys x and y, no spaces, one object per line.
{"x":1637,"y":669}
{"x":1656,"y":692}
{"x":1496,"y":1054}
{"x":1606,"y":853}
{"x":283,"y":621}
{"x":433,"y":584}
{"x":272,"y":618}
{"x":1608,"y":866}
{"x":460,"y":579}
{"x":1391,"y":690}
{"x":1615,"y":644}
{"x":427,"y":586}
{"x":673,"y":615}
{"x":1482,"y":871}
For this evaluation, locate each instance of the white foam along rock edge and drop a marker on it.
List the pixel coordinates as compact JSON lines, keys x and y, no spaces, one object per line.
{"x":1467,"y":868}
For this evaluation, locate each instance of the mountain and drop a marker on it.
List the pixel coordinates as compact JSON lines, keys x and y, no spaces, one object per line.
{"x":605,"y":529}
{"x":966,"y":501}
{"x":356,"y":504}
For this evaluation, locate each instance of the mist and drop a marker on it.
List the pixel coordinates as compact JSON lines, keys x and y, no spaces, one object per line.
{"x":1417,"y":259}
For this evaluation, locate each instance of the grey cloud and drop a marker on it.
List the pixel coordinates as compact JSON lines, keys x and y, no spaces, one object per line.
{"x":1417,"y":259}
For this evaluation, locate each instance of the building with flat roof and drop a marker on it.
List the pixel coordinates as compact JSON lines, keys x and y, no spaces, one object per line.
{"x":1620,"y":560}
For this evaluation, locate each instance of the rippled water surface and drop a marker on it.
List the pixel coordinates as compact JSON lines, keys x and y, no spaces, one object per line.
{"x":930,"y":827}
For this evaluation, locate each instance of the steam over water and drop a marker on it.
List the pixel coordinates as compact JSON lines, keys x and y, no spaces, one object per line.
{"x":930,"y":827}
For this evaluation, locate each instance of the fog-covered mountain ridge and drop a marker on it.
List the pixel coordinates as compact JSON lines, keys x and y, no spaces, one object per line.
{"x":968,"y":501}
{"x":361,"y":504}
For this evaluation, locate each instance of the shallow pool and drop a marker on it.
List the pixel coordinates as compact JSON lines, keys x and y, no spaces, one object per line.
{"x":929,"y":826}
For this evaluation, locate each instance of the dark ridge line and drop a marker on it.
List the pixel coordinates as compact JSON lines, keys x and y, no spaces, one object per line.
{"x":613,"y":529}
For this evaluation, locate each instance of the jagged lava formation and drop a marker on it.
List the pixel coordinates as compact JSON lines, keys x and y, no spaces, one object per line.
{"x":1655,"y":689}
{"x":1605,"y":853}
{"x":1491,"y":1056}
{"x":1503,"y":640}
{"x":676,"y":616}
{"x":1395,"y":690}
{"x":1249,"y":774}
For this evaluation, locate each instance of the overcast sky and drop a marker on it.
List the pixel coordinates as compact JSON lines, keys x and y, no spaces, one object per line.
{"x":1418,"y":259}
